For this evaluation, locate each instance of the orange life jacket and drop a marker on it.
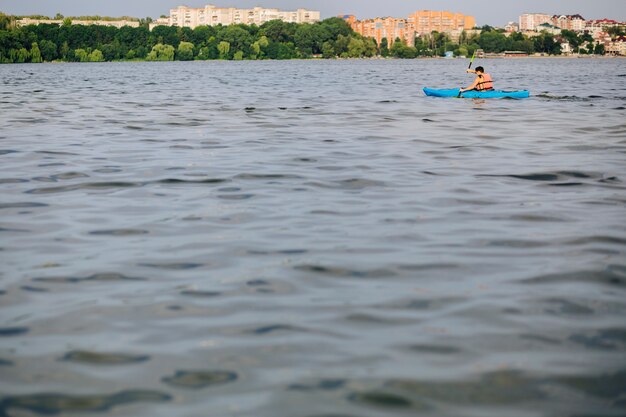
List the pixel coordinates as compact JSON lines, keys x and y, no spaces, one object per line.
{"x":486,"y":83}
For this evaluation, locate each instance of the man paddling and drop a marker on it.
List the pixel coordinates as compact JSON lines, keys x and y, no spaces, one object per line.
{"x":483,"y":81}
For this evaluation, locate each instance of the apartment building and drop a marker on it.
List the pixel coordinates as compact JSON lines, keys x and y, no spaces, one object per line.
{"x":597,"y":26}
{"x":570,"y":22}
{"x":511,"y":27}
{"x":616,"y":46}
{"x":115,"y":23}
{"x":419,"y":23}
{"x":530,"y":21}
{"x":426,"y":21}
{"x":210,"y":15}
{"x":389,"y":28}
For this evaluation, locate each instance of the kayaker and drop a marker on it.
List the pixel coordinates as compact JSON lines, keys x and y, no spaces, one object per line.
{"x":483,"y":81}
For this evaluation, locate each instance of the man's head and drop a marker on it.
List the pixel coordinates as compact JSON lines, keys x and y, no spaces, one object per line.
{"x":480,"y":70}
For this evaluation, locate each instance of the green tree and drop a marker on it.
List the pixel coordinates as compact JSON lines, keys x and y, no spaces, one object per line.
{"x":12,"y":57}
{"x":384,"y":47}
{"x":399,"y":49}
{"x":81,"y":55}
{"x":599,"y":49}
{"x":204,"y":53}
{"x":6,"y":21}
{"x":48,"y":50}
{"x":112,"y":51}
{"x":185,"y":51}
{"x":132,"y":38}
{"x":224,"y":49}
{"x":278,"y":31}
{"x":96,"y":56}
{"x":67,"y":22}
{"x":238,"y":56}
{"x":336,"y":26}
{"x":341,"y":45}
{"x":22,"y":56}
{"x":572,"y":38}
{"x":202,"y":34}
{"x":328,"y":50}
{"x":167,"y":35}
{"x":238,"y":38}
{"x":356,"y":48}
{"x":586,"y":37}
{"x":141,"y":52}
{"x":161,"y":52}
{"x":546,"y":43}
{"x":65,"y":52}
{"x":255,"y":50}
{"x":263,"y":42}
{"x":279,"y":50}
{"x":145,"y":23}
{"x":616,"y":31}
{"x":423,"y":46}
{"x":309,"y":39}
{"x":209,"y":50}
{"x":492,"y":41}
{"x":58,"y":16}
{"x":35,"y":54}
{"x":371,"y":49}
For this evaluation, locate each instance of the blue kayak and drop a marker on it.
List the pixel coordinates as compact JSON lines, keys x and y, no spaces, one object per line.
{"x":454,"y":92}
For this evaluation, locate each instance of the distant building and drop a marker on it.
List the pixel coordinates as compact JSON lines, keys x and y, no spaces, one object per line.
{"x":570,"y":22}
{"x":426,"y":21}
{"x":419,"y":23}
{"x":115,"y":23}
{"x":511,"y":27}
{"x":515,"y":54}
{"x":183,"y":16}
{"x":616,"y":46}
{"x":530,"y":21}
{"x":547,"y":27}
{"x":566,"y":48}
{"x":596,"y":26}
{"x":388,"y":28}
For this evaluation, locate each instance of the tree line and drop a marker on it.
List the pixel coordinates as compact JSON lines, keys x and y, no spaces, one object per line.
{"x":330,"y":38}
{"x":273,"y":40}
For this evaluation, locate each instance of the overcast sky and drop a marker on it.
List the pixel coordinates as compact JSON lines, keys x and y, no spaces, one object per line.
{"x":492,"y":12}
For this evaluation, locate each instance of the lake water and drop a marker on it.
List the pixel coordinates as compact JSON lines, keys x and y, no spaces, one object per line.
{"x":312,"y":239}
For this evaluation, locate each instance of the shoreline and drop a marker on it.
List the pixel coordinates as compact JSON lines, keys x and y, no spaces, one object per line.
{"x":378,"y":58}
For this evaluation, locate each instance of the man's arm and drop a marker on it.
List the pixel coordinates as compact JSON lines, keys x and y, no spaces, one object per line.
{"x":471,"y":87}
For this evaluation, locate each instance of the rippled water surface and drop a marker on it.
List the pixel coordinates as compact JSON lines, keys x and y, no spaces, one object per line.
{"x":312,"y":239}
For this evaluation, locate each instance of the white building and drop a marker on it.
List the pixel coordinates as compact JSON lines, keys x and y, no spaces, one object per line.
{"x":530,"y":21}
{"x":597,"y":26}
{"x":210,"y":15}
{"x":115,"y":23}
{"x":511,"y":27}
{"x":547,"y":27}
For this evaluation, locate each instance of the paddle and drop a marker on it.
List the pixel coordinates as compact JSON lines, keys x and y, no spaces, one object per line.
{"x":468,"y":67}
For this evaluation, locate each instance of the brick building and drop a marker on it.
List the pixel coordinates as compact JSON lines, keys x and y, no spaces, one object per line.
{"x":419,"y":23}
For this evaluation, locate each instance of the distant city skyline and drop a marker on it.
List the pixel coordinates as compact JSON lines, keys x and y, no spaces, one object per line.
{"x":486,"y":13}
